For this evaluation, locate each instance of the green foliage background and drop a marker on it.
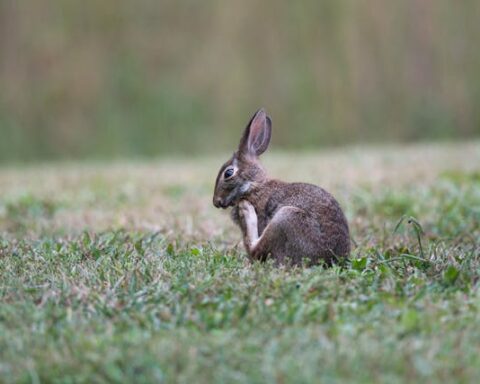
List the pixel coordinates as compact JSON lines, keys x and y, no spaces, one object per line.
{"x":108,"y":78}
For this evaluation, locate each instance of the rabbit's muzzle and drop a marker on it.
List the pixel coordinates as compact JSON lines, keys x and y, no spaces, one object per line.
{"x":218,"y":202}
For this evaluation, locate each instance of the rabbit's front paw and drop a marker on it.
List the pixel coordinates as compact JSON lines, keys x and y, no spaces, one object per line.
{"x":245,"y":209}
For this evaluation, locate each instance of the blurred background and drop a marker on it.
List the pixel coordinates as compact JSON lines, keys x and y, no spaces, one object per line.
{"x":116,"y":78}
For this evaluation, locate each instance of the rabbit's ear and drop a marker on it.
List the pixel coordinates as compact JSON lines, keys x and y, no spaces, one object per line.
{"x":257,"y":135}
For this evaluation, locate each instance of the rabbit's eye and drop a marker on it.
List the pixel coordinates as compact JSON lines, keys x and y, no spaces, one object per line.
{"x":228,"y":173}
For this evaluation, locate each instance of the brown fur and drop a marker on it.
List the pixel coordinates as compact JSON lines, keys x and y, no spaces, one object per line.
{"x":295,"y":221}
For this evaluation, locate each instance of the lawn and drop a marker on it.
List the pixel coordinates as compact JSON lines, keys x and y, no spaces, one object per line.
{"x":125,"y":272}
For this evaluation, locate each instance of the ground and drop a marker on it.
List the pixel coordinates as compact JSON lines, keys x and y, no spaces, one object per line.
{"x":125,"y":272}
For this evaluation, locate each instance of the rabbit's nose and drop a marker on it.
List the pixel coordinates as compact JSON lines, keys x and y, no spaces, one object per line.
{"x":217,"y":202}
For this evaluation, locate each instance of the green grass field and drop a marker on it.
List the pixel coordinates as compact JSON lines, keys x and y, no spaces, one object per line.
{"x":125,"y":272}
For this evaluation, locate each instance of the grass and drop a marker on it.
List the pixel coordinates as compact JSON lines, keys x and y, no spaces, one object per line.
{"x":126,"y":273}
{"x":147,"y":78}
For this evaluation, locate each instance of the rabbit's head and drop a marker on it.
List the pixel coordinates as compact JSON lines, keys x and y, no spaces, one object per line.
{"x":243,"y":172}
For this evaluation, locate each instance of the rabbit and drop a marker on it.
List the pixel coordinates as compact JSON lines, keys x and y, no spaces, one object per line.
{"x":288,"y":222}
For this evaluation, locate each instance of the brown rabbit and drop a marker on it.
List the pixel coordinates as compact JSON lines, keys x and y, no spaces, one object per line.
{"x":290,"y":222}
